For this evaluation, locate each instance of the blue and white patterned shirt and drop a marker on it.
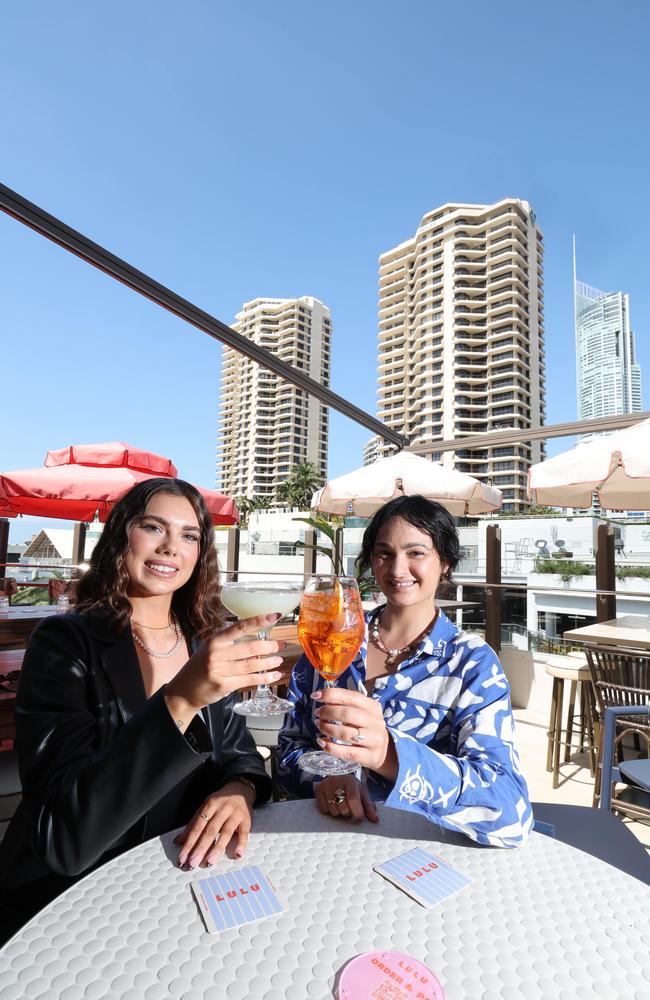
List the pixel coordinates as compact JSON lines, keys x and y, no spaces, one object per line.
{"x":447,"y":708}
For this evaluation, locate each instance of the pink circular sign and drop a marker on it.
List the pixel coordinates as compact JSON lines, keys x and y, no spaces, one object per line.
{"x":388,"y":975}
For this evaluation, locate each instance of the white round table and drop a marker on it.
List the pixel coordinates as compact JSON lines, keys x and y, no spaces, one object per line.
{"x":545,"y":920}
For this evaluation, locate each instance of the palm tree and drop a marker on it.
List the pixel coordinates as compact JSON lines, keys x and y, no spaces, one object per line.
{"x":298,"y":487}
{"x":246,"y":506}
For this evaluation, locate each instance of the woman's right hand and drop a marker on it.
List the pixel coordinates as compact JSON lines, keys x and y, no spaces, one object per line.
{"x":223,"y":664}
{"x":345,"y":796}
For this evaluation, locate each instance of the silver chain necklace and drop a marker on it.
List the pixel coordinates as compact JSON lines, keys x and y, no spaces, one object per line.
{"x":393,"y":654}
{"x":154,"y":652}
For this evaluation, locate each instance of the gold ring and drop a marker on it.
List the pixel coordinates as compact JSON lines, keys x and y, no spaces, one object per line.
{"x":204,"y":816}
{"x":340,"y":796}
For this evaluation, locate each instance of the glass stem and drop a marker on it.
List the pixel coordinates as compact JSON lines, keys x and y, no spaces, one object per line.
{"x":263,"y":692}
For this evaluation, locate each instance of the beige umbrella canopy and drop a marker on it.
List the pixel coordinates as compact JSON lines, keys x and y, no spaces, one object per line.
{"x":363,"y":491}
{"x":616,"y":467}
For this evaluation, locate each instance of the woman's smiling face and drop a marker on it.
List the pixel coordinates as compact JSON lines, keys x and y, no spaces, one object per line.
{"x":163,"y":548}
{"x":405,"y":564}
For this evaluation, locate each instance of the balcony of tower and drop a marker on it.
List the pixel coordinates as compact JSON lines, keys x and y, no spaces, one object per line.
{"x":465,"y":253}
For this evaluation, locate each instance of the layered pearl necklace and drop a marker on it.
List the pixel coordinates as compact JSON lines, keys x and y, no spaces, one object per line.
{"x":154,"y":652}
{"x":392,"y":655}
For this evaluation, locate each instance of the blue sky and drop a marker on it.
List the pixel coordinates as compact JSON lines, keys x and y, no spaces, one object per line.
{"x":236,"y":150}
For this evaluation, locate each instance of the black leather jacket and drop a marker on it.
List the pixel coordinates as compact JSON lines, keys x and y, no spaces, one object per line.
{"x":97,"y":757}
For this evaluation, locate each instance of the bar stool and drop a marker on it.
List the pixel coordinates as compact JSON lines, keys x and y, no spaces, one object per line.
{"x":575,"y":670}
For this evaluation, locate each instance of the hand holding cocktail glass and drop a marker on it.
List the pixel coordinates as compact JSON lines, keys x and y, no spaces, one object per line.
{"x":330,"y":629}
{"x":247,"y":599}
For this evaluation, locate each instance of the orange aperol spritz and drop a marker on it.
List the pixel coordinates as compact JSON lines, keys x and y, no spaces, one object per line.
{"x":330,"y":630}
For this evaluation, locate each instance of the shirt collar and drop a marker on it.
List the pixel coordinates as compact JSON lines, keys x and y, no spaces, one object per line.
{"x":434,"y":643}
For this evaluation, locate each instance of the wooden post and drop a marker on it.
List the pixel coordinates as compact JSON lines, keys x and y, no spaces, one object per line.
{"x":4,"y":545}
{"x":493,"y":594}
{"x":232,"y":553}
{"x":309,"y":563}
{"x":78,"y":547}
{"x":605,"y":573}
{"x":338,"y":550}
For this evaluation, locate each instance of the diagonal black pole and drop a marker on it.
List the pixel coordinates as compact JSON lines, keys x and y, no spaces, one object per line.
{"x":47,"y":225}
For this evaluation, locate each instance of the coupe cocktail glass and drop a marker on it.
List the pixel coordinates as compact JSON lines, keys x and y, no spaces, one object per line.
{"x":330,"y":630}
{"x":246,"y":599}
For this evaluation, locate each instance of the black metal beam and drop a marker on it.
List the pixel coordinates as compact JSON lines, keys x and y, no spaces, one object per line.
{"x":517,"y":435}
{"x":47,"y":225}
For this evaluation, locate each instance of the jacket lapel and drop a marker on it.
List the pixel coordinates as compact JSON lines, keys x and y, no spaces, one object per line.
{"x":120,"y":662}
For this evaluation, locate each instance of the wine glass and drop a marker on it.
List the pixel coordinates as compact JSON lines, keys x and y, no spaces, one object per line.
{"x":246,"y":599}
{"x":330,"y":629}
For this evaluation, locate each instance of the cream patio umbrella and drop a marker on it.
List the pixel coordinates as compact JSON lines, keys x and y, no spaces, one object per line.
{"x":363,"y":491}
{"x":616,"y":467}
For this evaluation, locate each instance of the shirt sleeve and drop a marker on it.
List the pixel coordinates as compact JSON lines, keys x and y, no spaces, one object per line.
{"x":477,"y":788}
{"x":298,"y":734}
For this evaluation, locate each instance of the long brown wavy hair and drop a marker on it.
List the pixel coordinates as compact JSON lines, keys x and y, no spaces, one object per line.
{"x":104,"y":586}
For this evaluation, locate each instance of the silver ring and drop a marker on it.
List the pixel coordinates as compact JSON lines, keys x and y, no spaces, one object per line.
{"x":359,"y":737}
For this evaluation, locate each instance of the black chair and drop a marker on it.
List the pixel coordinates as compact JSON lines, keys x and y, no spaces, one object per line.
{"x":620,"y":679}
{"x":634,"y":802}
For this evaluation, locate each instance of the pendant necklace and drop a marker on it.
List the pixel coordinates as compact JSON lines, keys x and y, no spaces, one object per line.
{"x":155,"y":652}
{"x":393,"y":654}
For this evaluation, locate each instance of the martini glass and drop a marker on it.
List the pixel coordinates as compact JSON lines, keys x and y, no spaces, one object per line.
{"x":247,"y":600}
{"x":330,"y":629}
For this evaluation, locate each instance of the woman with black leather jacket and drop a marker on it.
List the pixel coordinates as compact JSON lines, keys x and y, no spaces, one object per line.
{"x":124,"y":727}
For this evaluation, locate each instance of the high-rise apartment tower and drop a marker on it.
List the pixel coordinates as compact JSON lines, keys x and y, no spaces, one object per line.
{"x":268,"y":425}
{"x":461,"y":341}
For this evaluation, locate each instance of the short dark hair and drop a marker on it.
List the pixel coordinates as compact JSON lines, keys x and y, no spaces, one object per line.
{"x":105,"y":584}
{"x":427,"y":516}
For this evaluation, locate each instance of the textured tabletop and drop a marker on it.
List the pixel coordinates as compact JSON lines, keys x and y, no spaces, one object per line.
{"x":545,"y":920}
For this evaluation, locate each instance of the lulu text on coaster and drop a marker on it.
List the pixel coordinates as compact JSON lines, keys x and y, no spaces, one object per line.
{"x":239,"y":897}
{"x":425,"y":877}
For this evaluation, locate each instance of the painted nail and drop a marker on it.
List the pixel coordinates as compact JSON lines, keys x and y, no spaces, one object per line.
{"x":317,"y":695}
{"x":322,"y":743}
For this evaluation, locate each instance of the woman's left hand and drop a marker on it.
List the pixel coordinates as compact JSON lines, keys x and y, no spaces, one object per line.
{"x":357,"y":719}
{"x":226,"y":814}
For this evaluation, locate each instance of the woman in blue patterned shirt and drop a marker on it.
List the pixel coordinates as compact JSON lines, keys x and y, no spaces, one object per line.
{"x":424,"y":708}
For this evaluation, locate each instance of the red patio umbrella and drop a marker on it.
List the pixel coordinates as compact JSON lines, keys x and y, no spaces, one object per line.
{"x":77,"y":482}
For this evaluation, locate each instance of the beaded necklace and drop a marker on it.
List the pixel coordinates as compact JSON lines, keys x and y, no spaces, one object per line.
{"x":154,"y":652}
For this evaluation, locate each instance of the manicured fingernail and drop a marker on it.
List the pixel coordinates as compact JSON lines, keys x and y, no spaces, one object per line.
{"x":317,"y":695}
{"x":274,"y":677}
{"x":274,"y":617}
{"x":322,"y":743}
{"x":193,"y":862}
{"x":182,"y":858}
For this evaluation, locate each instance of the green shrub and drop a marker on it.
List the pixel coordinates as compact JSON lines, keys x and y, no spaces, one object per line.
{"x":624,"y":572}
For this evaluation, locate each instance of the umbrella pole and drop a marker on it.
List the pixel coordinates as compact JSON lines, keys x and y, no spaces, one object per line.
{"x":605,"y":573}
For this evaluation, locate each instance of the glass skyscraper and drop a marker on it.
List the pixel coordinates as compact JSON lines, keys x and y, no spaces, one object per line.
{"x":608,"y":375}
